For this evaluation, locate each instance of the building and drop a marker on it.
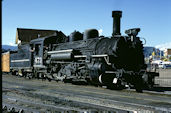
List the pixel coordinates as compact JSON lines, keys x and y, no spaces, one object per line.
{"x":167,"y":53}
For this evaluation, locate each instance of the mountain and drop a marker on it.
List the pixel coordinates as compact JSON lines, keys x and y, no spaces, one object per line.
{"x":148,"y":51}
{"x":9,"y":48}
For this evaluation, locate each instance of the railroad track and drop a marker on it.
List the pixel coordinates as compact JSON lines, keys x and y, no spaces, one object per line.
{"x":38,"y":102}
{"x":51,"y":96}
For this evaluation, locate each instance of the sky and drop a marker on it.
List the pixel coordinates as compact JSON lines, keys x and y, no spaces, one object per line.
{"x":152,"y":16}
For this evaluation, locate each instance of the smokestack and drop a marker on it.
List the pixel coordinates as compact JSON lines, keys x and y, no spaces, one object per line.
{"x":116,"y":22}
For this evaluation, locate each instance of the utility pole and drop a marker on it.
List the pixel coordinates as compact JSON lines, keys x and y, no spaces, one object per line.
{"x":160,"y":54}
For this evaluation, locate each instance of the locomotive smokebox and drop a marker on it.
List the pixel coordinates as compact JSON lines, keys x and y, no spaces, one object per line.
{"x":116,"y":22}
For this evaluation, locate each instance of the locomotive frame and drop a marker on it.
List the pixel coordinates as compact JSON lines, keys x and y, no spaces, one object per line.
{"x":86,"y":58}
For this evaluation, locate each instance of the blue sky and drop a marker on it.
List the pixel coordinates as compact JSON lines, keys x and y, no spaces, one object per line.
{"x":152,"y":16}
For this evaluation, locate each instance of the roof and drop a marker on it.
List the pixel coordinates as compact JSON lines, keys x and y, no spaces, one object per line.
{"x":26,"y":35}
{"x":47,"y":39}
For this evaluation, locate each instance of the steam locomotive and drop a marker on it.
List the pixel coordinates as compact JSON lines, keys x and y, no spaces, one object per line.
{"x":116,"y":62}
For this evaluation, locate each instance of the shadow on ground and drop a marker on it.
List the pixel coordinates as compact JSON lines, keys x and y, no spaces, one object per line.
{"x":160,"y":89}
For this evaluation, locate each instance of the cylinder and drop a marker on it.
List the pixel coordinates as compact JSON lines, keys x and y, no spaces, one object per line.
{"x":116,"y":22}
{"x":107,"y":79}
{"x":62,"y":56}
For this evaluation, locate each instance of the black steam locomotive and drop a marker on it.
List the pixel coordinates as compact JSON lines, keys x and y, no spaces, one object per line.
{"x":115,"y":62}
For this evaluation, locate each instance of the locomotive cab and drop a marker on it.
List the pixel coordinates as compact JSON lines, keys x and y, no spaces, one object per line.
{"x":37,"y":52}
{"x":40,"y":47}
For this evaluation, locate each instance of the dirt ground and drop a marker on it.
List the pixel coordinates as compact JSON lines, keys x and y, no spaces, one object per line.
{"x":44,"y":96}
